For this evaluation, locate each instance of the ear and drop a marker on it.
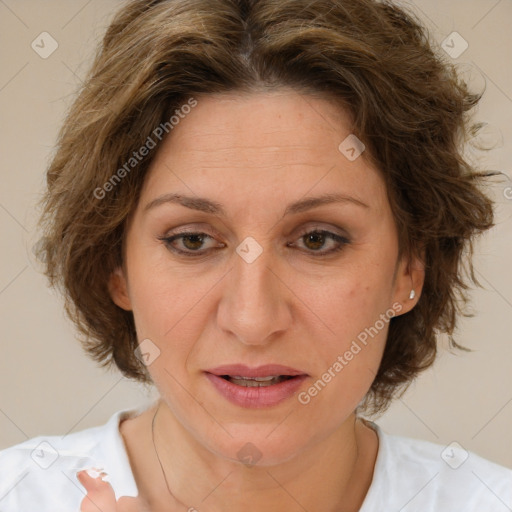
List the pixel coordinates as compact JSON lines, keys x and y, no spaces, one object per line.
{"x":118,"y":288}
{"x":410,"y":275}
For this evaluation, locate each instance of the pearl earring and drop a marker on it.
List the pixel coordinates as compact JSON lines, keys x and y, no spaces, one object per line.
{"x":412,"y":294}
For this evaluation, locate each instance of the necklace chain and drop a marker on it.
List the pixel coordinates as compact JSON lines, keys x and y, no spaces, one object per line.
{"x":156,"y":452}
{"x":158,"y":457}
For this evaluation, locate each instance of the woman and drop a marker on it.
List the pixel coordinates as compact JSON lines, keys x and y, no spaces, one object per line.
{"x":262,"y":208}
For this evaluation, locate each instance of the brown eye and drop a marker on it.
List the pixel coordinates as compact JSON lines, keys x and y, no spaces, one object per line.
{"x":315,"y":240}
{"x":188,"y":243}
{"x":193,"y":242}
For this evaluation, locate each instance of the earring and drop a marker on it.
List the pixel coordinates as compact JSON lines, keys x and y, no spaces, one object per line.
{"x":412,"y":294}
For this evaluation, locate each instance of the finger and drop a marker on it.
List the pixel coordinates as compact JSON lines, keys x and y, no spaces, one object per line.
{"x":100,"y":495}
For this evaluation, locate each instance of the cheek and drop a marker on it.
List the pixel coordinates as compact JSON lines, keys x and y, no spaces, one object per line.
{"x":355,"y":311}
{"x":169,"y":309}
{"x":348,"y":303}
{"x":347,"y":356}
{"x":152,"y":308}
{"x":160,"y":294}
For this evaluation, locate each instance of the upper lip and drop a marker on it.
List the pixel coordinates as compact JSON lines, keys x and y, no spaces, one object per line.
{"x":266,"y":370}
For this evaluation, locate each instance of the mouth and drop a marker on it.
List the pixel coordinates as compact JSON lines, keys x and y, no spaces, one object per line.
{"x":263,"y":386}
{"x":253,"y":382}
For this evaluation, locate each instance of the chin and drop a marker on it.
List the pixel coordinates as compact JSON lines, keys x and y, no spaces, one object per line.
{"x":259,"y":451}
{"x":262,"y":446}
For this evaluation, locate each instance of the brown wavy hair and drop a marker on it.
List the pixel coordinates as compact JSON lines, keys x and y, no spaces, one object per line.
{"x":408,"y":104}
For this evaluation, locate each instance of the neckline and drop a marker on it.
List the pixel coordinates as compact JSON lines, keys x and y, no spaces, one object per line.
{"x":123,"y":481}
{"x":371,"y":500}
{"x":117,"y":462}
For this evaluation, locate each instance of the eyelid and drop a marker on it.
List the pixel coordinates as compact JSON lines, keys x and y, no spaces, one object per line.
{"x":308,"y":228}
{"x":330,"y":232}
{"x":339,"y":239}
{"x":205,"y":229}
{"x":169,"y":238}
{"x":213,"y":233}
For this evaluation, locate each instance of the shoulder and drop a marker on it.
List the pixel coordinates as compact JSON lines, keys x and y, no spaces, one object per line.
{"x":40,"y":473}
{"x":419,"y":475}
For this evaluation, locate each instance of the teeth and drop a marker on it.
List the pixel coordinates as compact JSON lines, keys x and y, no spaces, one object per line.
{"x":259,"y":379}
{"x":256,"y":381}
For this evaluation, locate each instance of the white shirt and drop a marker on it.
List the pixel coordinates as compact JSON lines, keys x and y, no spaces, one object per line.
{"x":39,"y":475}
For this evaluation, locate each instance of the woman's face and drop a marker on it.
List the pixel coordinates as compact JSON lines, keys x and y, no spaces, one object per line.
{"x":269,"y":275}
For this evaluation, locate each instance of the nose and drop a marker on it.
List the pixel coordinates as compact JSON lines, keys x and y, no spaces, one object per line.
{"x":256,"y":303}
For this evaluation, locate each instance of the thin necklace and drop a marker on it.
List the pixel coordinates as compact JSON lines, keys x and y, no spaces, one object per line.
{"x":157,"y":456}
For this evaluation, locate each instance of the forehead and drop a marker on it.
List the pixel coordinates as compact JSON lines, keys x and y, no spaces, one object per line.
{"x":281,"y":141}
{"x":267,"y":121}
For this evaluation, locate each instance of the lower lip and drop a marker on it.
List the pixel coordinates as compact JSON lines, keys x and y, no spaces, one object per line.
{"x":256,"y":397}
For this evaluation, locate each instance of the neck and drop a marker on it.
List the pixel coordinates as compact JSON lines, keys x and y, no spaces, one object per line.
{"x":333,"y":475}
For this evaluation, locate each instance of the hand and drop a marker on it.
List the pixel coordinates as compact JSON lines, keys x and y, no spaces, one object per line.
{"x":101,"y":497}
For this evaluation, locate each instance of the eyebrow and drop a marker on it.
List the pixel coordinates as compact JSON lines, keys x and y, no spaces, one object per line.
{"x":208,"y":206}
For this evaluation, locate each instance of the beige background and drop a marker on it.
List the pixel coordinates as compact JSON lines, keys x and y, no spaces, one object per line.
{"x":48,"y":386}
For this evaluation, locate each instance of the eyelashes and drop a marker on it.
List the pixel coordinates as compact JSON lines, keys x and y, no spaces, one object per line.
{"x":196,"y":241}
{"x":193,"y":236}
